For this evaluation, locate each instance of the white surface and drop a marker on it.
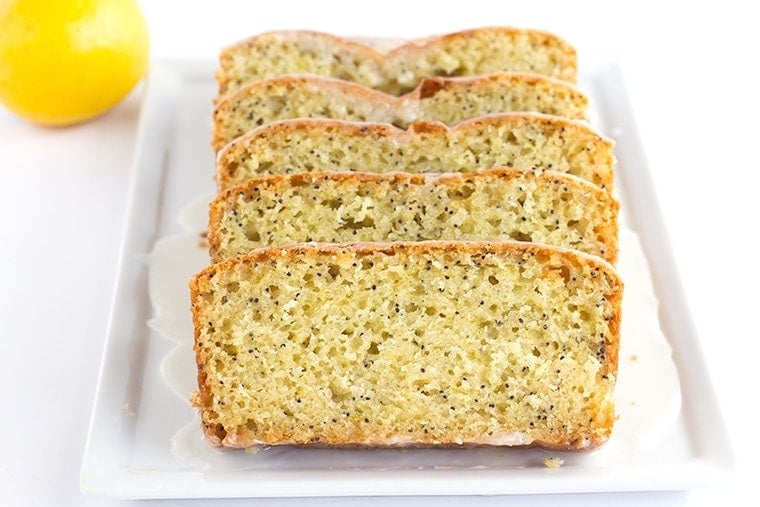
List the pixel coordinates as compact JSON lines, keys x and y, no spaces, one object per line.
{"x":146,"y":443}
{"x":691,"y":81}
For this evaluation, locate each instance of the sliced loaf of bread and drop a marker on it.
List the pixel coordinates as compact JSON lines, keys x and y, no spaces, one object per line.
{"x":521,"y":140}
{"x":496,"y":205}
{"x":466,"y":53}
{"x":407,"y":344}
{"x":448,"y":100}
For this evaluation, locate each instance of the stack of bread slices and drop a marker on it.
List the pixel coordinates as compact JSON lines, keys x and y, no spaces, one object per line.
{"x":410,"y":247}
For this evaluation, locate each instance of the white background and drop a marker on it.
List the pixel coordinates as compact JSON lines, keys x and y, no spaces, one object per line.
{"x":691,"y":77}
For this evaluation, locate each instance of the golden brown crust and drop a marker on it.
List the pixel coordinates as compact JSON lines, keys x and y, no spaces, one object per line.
{"x":203,"y":398}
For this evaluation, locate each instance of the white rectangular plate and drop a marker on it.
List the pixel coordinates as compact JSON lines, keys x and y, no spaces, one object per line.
{"x":129,"y":451}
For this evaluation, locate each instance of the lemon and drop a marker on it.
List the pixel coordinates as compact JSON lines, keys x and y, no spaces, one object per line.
{"x":66,"y":61}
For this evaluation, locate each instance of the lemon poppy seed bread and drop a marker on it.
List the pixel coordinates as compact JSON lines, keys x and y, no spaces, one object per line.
{"x":410,"y":247}
{"x":466,"y":53}
{"x":497,"y":204}
{"x":448,"y":100}
{"x":521,"y":140}
{"x":407,"y":344}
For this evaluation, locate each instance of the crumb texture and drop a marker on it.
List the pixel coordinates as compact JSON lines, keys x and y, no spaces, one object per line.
{"x":501,"y":204}
{"x":407,"y":343}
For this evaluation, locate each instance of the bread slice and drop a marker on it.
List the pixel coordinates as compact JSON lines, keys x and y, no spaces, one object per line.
{"x":407,"y":344}
{"x":498,"y":204}
{"x":449,"y":100}
{"x":522,"y":140}
{"x":466,"y":53}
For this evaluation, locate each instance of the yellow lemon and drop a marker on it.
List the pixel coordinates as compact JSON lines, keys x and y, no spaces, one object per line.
{"x":66,"y":61}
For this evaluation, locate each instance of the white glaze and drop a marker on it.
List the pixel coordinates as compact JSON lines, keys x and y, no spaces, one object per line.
{"x":507,"y":438}
{"x":648,"y":396}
